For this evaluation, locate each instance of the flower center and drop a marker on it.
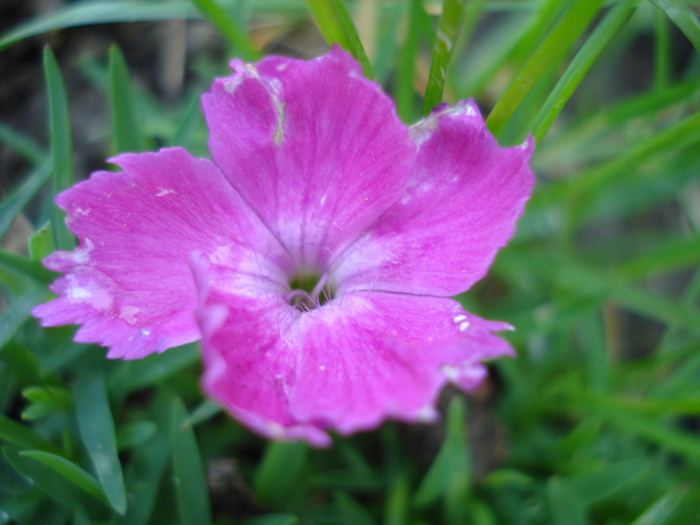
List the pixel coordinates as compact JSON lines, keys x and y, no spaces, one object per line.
{"x":309,"y":291}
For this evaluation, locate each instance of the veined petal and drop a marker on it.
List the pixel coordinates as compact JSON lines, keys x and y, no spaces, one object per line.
{"x":128,"y":284}
{"x":345,"y":366}
{"x":315,"y":149}
{"x":250,"y":346}
{"x":374,"y":355}
{"x":459,"y":206}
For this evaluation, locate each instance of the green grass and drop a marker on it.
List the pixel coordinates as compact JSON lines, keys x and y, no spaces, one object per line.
{"x":596,"y":421}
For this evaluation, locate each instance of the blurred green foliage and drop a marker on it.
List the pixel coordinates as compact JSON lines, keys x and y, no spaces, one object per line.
{"x":599,"y":415}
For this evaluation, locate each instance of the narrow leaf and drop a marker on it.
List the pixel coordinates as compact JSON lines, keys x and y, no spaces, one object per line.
{"x":41,"y":243}
{"x":613,"y":22}
{"x":69,"y":471}
{"x":336,"y":26}
{"x":549,"y":52}
{"x":683,"y":17}
{"x":279,"y":472}
{"x":445,"y":40}
{"x":96,"y":427}
{"x":28,"y":267}
{"x":223,"y":22}
{"x":18,"y":313}
{"x":190,"y":481}
{"x":127,"y":133}
{"x":15,"y":203}
{"x":23,"y":436}
{"x":61,"y":146}
{"x":22,"y":144}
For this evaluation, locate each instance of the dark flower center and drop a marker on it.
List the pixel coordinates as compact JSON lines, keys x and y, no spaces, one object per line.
{"x":309,"y":291}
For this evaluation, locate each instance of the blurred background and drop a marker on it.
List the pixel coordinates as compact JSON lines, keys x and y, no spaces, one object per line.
{"x":596,"y":421}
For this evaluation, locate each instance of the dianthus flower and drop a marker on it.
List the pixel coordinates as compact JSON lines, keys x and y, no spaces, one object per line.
{"x":314,"y":257}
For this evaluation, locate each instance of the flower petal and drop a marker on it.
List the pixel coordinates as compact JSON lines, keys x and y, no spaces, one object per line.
{"x":459,"y":207}
{"x":250,"y":349}
{"x":375,"y":355}
{"x":315,"y":149}
{"x":346,"y":366}
{"x":128,"y":284}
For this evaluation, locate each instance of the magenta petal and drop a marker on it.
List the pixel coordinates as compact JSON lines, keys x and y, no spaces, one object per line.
{"x":460,"y":206}
{"x":315,"y":149}
{"x":128,"y":284}
{"x":249,"y":350}
{"x":345,"y":366}
{"x":375,"y":355}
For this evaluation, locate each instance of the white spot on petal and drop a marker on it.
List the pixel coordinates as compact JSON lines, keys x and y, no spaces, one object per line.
{"x":460,"y":318}
{"x":451,"y":372}
{"x":321,"y":367}
{"x":463,"y":326}
{"x":282,"y":67}
{"x":164,"y":191}
{"x":128,"y":312}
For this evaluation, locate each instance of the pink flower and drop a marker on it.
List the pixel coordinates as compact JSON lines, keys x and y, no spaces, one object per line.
{"x":324,"y":241}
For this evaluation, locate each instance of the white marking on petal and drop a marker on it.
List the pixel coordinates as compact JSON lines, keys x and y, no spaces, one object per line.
{"x":323,"y":200}
{"x":145,"y":332}
{"x":274,"y":430}
{"x":460,"y":318}
{"x":463,"y":326}
{"x":164,"y":191}
{"x":282,"y":67}
{"x":451,"y":372}
{"x":128,"y":312}
{"x":321,"y":367}
{"x":82,"y":211}
{"x":427,"y":414}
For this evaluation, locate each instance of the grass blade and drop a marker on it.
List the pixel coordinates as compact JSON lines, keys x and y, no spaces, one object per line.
{"x":23,"y":436}
{"x":61,"y":146}
{"x":404,"y":91}
{"x":127,"y":133}
{"x":445,"y":40}
{"x":584,"y":60}
{"x":69,"y":471}
{"x":27,"y":267}
{"x":15,"y":203}
{"x":279,"y":472}
{"x":25,"y":146}
{"x":18,"y":313}
{"x":550,"y":51}
{"x":336,"y":26}
{"x":190,"y":481}
{"x":97,"y":431}
{"x":223,"y":22}
{"x":683,"y":17}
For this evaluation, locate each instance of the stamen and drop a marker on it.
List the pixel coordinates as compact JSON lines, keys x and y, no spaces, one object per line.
{"x":316,"y":292}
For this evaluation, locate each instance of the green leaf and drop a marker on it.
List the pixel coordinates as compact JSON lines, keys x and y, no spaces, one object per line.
{"x":30,"y":268}
{"x":96,"y":427}
{"x":404,"y":92}
{"x":560,"y":39}
{"x":22,"y":144}
{"x":190,"y":481}
{"x":148,"y":464}
{"x":273,"y":519}
{"x":41,"y":243}
{"x":135,"y":375}
{"x":53,"y":483}
{"x":683,"y":17}
{"x":22,"y":362}
{"x":445,"y":40}
{"x":23,"y":436}
{"x":350,"y":510}
{"x":125,"y":126}
{"x":135,"y":434}
{"x":593,"y":485}
{"x":613,"y":22}
{"x":671,"y":255}
{"x":18,"y":313}
{"x":279,"y":472}
{"x":87,"y":13}
{"x":206,"y":410}
{"x":223,"y":22}
{"x":45,"y":400}
{"x":336,"y":26}
{"x":15,"y":203}
{"x":61,"y":146}
{"x":452,"y":465}
{"x":69,"y":471}
{"x":564,"y":504}
{"x":663,"y":509}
